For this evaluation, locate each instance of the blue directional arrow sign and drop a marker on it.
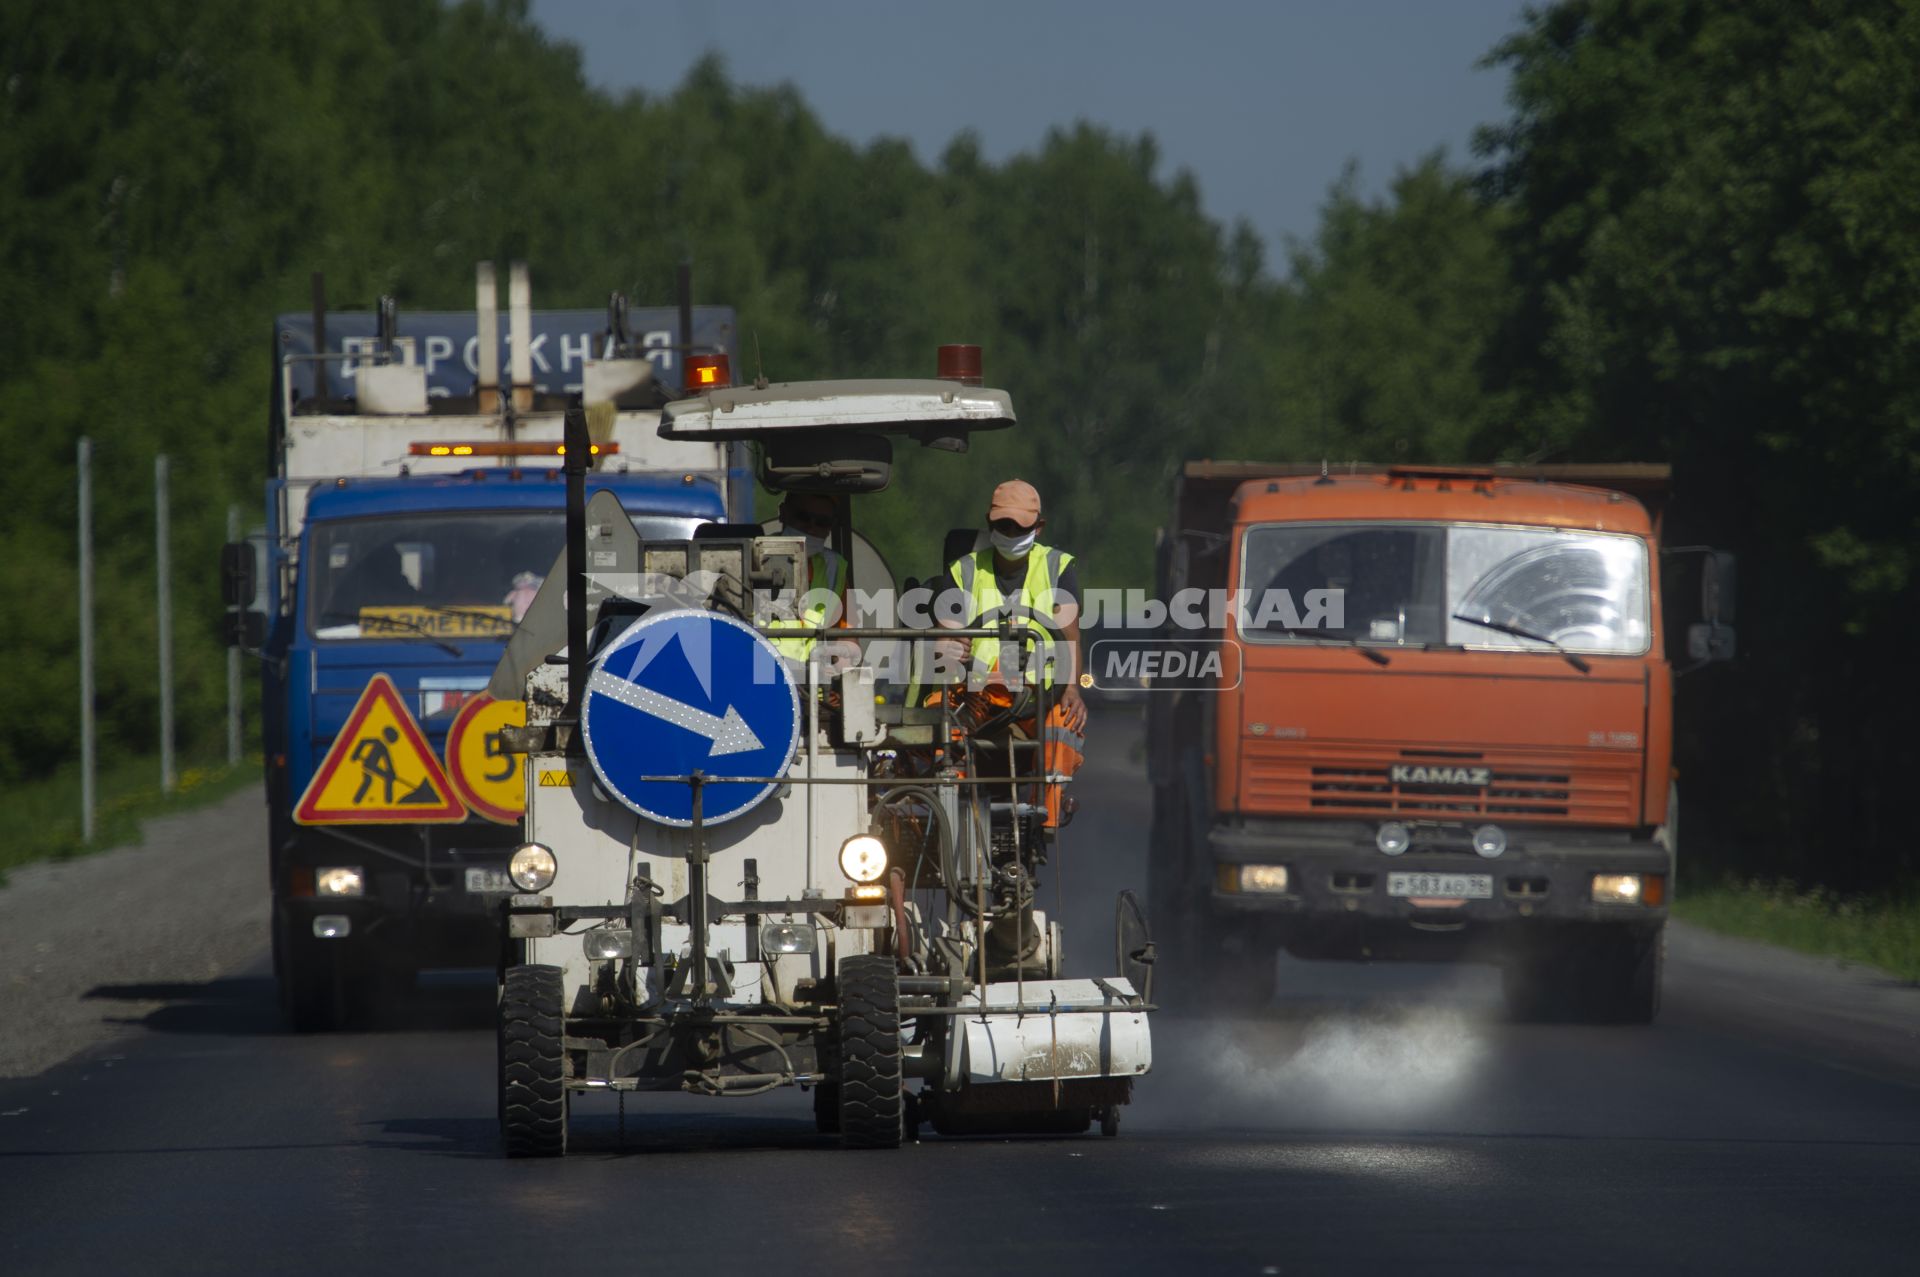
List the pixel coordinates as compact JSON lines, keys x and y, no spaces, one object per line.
{"x":684,"y":691}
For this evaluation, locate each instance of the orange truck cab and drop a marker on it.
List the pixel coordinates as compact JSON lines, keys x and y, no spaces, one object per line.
{"x":1437,"y":725}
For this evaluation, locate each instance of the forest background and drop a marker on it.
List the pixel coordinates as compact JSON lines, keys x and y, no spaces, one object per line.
{"x":1690,"y":241}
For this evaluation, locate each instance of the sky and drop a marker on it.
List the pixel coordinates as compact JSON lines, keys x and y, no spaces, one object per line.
{"x":1264,"y":101}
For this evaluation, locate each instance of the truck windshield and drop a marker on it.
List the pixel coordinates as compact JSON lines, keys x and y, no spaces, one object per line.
{"x":466,"y":574}
{"x":1428,"y":584}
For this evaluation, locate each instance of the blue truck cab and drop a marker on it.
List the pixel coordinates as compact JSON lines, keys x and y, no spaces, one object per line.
{"x":414,"y":506}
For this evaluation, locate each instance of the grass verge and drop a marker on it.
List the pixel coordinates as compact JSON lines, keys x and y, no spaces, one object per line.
{"x":1882,"y":931}
{"x":43,"y":816}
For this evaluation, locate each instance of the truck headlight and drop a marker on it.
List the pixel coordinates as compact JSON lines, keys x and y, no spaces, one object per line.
{"x":1393,"y":838}
{"x":863,"y":858}
{"x":1616,"y":889}
{"x":1490,"y":840}
{"x":608,"y":942}
{"x":1271,"y":879}
{"x":339,"y":880}
{"x":532,"y":867}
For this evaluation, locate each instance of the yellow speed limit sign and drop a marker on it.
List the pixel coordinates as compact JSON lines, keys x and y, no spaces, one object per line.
{"x":488,"y":778}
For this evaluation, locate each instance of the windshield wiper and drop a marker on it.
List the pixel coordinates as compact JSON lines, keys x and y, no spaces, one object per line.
{"x":1347,"y":637}
{"x":401,"y":622}
{"x":1500,"y":627}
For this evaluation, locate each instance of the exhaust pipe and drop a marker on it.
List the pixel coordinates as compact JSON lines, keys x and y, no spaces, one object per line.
{"x":520,"y":316}
{"x":487,"y":306}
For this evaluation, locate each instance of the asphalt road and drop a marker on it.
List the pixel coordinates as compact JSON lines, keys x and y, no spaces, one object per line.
{"x":1373,"y":1119}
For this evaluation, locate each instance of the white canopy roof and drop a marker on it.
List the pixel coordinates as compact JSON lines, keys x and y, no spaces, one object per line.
{"x":888,"y":406}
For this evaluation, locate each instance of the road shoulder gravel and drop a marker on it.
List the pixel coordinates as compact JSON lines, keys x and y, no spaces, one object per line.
{"x":92,"y":945}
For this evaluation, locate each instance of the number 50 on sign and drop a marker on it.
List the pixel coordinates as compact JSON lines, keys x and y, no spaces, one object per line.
{"x":488,"y":778}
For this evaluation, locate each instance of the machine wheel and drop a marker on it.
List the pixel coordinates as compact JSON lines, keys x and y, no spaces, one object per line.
{"x":1134,"y":953}
{"x":872,"y":1103}
{"x":533,"y":1090}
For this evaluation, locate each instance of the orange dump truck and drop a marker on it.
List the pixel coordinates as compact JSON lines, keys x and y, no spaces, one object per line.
{"x":1437,"y":724}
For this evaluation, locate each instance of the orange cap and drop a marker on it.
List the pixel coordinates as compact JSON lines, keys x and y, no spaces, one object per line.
{"x":1015,"y":499}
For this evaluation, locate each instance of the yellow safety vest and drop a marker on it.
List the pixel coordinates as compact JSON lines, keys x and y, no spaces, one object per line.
{"x":822,"y":566}
{"x":973,"y":573}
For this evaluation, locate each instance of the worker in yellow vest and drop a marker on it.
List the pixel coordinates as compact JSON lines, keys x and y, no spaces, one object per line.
{"x":1015,"y":571}
{"x":809,"y":515}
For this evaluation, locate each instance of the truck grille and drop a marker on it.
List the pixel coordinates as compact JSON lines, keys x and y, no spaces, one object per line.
{"x":1574,"y":787}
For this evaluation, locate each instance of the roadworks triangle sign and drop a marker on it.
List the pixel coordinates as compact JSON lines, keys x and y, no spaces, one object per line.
{"x":380,"y":770}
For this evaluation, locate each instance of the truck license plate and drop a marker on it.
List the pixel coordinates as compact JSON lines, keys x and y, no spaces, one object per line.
{"x":1441,"y":886}
{"x":491,"y":881}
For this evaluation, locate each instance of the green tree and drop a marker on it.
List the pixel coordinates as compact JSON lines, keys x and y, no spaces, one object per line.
{"x":1715,"y":263}
{"x":1377,"y":337}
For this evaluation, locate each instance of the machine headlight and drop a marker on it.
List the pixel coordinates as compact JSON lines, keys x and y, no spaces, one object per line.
{"x":339,"y":880}
{"x":608,"y":942}
{"x":786,"y":937}
{"x":1393,"y":838}
{"x":1616,"y":889}
{"x":532,"y":867}
{"x":1490,"y":840}
{"x":863,"y":858}
{"x":1268,"y":878}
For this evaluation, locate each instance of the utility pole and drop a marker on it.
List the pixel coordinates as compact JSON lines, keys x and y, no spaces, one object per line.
{"x":86,"y":640}
{"x":233,"y":663}
{"x":163,"y":571}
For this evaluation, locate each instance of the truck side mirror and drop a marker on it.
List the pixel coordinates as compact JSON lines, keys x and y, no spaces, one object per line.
{"x":237,"y":584}
{"x":245,"y":628}
{"x":1717,"y":576}
{"x":1709,"y":641}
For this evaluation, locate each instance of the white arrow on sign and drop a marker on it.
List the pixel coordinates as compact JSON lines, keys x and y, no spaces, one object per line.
{"x":728,"y":732}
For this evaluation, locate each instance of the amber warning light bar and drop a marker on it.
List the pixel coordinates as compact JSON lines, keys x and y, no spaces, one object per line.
{"x":516,"y":448}
{"x":708,"y":372}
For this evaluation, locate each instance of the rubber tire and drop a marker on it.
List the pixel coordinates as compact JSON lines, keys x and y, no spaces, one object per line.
{"x":1624,"y":978}
{"x":1177,"y":906}
{"x":1610,"y":978}
{"x":278,"y":931}
{"x":534,"y":1101}
{"x":1530,"y":985}
{"x":872,"y":1100}
{"x":313,"y":984}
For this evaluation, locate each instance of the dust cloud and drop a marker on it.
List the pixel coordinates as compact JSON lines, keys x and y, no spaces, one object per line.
{"x":1340,"y":1063}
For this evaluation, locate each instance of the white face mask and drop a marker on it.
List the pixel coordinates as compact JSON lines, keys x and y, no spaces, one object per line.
{"x":1015,"y":547}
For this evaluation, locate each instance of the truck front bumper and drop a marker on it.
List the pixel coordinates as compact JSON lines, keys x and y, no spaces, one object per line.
{"x":415,"y":903}
{"x":1338,"y":881}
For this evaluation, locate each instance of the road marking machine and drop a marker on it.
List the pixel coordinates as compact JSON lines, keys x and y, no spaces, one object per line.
{"x":747,"y":866}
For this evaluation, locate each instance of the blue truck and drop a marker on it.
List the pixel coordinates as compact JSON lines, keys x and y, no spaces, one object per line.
{"x":414,"y":506}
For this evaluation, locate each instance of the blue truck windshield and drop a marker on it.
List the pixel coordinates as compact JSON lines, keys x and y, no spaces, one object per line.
{"x":466,"y":574}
